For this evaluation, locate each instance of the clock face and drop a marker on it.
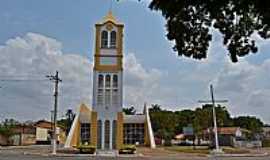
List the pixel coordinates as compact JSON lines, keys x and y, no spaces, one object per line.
{"x":108,"y":60}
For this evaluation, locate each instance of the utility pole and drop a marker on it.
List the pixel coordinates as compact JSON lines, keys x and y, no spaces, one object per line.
{"x":56,"y":81}
{"x":52,"y":111}
{"x":213,"y":101}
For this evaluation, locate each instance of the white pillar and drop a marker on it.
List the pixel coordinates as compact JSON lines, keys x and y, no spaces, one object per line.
{"x":111,"y":131}
{"x":102,"y":134}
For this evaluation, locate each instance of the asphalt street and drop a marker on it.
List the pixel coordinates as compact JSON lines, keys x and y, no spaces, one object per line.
{"x":11,"y":156}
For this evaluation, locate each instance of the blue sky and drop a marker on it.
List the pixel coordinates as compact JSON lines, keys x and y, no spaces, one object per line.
{"x":37,"y":37}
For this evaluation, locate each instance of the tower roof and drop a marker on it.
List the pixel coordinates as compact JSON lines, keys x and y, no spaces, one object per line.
{"x":110,"y":18}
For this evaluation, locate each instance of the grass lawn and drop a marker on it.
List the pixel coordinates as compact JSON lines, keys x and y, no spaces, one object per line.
{"x":205,"y":150}
{"x":189,"y":149}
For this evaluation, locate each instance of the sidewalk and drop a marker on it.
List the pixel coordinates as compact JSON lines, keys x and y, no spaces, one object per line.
{"x":141,"y":152}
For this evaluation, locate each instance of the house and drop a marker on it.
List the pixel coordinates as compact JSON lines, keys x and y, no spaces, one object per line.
{"x":227,"y":135}
{"x":44,"y":132}
{"x":266,"y":132}
{"x":32,"y":133}
{"x":22,"y":134}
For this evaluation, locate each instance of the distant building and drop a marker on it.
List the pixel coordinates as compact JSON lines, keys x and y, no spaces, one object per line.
{"x":266,"y":132}
{"x":44,"y":132}
{"x":227,"y":135}
{"x":32,"y":133}
{"x":104,"y":125}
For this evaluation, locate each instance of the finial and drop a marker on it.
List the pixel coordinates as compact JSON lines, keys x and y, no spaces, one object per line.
{"x":110,"y":9}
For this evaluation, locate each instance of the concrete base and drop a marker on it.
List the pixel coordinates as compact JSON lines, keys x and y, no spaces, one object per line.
{"x":217,"y":151}
{"x":107,"y":153}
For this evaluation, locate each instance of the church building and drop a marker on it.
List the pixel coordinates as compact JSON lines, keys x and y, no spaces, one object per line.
{"x":105,"y":125}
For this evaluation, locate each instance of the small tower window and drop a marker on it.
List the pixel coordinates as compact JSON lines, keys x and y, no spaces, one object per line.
{"x":104,"y":39}
{"x":115,"y":81}
{"x":100,"y":81}
{"x":113,"y":39}
{"x":108,"y":81}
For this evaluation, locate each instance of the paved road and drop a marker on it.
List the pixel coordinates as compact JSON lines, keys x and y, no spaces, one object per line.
{"x":12,"y":156}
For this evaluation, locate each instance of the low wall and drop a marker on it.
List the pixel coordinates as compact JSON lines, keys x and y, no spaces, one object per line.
{"x":248,"y":144}
{"x":3,"y":140}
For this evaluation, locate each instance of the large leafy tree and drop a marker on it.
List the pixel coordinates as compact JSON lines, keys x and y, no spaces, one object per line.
{"x":190,"y":22}
{"x":68,"y":120}
{"x":129,"y":110}
{"x":251,"y":123}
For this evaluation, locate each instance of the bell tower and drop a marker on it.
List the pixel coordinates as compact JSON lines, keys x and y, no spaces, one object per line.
{"x":108,"y":79}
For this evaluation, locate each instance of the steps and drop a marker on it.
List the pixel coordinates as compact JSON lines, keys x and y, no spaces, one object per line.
{"x":107,"y":153}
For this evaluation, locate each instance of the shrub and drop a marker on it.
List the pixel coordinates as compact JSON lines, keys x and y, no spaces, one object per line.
{"x":127,"y":149}
{"x":266,"y":143}
{"x":85,"y":148}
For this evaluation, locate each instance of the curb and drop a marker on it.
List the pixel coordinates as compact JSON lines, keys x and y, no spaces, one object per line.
{"x":240,"y":155}
{"x":80,"y":155}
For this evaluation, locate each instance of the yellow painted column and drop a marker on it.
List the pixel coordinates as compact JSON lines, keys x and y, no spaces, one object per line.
{"x":120,"y":121}
{"x":93,"y":129}
{"x":146,"y":134}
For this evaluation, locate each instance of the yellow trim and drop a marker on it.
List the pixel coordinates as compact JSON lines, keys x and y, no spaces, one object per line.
{"x":120,"y":120}
{"x":109,"y":20}
{"x":94,"y":128}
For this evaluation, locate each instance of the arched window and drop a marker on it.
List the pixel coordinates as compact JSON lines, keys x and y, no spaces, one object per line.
{"x":113,"y":39}
{"x":104,"y":39}
{"x":107,"y":134}
{"x":99,"y":134}
{"x":115,"y":81}
{"x":100,"y":81}
{"x":108,"y":81}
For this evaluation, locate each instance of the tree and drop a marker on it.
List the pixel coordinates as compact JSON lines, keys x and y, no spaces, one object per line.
{"x":190,"y":24}
{"x":251,"y":123}
{"x":155,"y":108}
{"x":7,"y":126}
{"x":129,"y":111}
{"x":68,"y":120}
{"x":163,"y":123}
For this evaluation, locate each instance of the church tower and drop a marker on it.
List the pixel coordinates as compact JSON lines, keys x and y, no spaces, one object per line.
{"x":108,"y":81}
{"x":104,"y":125}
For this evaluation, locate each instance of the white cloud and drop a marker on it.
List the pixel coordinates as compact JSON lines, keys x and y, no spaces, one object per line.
{"x":247,"y":88}
{"x":33,"y":56}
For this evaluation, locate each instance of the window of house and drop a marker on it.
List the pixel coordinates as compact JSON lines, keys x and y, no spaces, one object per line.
{"x":104,"y":39}
{"x":113,"y":39}
{"x":85,"y":133}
